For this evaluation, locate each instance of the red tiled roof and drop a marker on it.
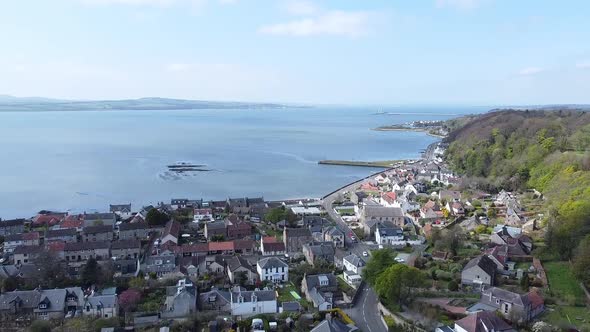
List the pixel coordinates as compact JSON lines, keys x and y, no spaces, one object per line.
{"x":49,"y":219}
{"x":56,"y":246}
{"x":389,"y":197}
{"x":270,"y":239}
{"x":221,"y":246}
{"x":535,"y":299}
{"x":31,"y":236}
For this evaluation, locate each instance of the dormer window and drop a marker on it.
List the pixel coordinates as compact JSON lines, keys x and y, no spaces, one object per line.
{"x":254,"y":298}
{"x":42,"y":306}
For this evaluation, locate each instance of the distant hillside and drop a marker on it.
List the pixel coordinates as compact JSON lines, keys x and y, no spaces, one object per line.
{"x":541,"y":149}
{"x":9,"y":103}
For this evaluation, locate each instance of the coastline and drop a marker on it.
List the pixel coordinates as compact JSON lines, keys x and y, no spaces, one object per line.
{"x":421,"y":130}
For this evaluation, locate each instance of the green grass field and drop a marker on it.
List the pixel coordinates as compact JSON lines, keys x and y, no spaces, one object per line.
{"x":577,"y":316}
{"x":562,"y":282}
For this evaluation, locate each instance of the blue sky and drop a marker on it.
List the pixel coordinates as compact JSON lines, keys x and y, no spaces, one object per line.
{"x":476,"y":52}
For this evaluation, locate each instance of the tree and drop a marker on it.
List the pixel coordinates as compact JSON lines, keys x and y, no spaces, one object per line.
{"x":241,"y":278}
{"x":453,"y":286}
{"x":49,"y":273}
{"x":129,"y":299}
{"x":395,"y":285}
{"x":379,"y":261}
{"x":40,"y":326}
{"x":525,"y":282}
{"x":156,"y":218}
{"x":9,"y":284}
{"x":91,"y":272}
{"x":582,"y":261}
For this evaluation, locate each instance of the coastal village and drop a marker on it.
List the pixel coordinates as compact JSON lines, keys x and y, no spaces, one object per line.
{"x":248,"y":264}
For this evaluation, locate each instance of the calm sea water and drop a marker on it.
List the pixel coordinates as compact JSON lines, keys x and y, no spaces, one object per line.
{"x":82,"y":161}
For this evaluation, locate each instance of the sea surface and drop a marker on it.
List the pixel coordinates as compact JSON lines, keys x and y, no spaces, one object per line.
{"x":84,"y":161}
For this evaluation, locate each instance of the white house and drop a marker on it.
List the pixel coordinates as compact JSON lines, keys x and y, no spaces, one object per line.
{"x":353,"y":263}
{"x":203,"y":215}
{"x":388,"y":234}
{"x":248,"y":303}
{"x":272,"y":269}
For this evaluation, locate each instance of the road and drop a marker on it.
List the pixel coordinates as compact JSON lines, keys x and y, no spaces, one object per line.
{"x":365,"y":313}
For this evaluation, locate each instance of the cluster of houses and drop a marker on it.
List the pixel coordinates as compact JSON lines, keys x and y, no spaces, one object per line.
{"x":221,"y":244}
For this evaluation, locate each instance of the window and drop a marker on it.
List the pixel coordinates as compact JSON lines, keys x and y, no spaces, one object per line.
{"x":87,"y":308}
{"x":253,"y":309}
{"x":497,"y":301}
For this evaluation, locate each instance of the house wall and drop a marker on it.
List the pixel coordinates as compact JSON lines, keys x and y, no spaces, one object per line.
{"x":97,"y":237}
{"x":125,"y":252}
{"x":470,"y":276}
{"x":254,"y":308}
{"x":276,"y":274}
{"x":133,"y":234}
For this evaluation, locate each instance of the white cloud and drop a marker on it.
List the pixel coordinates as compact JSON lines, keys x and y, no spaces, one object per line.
{"x":301,"y":8}
{"x":530,"y":71}
{"x":335,"y":23}
{"x":583,"y":64}
{"x":459,"y":4}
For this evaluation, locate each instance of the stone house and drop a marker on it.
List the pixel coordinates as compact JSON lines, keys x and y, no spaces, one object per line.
{"x":97,"y":233}
{"x":125,"y":249}
{"x":96,"y":219}
{"x":11,"y":227}
{"x":334,"y":235}
{"x":320,"y":289}
{"x":323,"y":251}
{"x":134,"y":231}
{"x":515,"y":307}
{"x":26,"y":254}
{"x":479,"y":272}
{"x":237,"y":265}
{"x":271,"y":246}
{"x":82,"y":251}
{"x":22,"y":239}
{"x":61,"y":235}
{"x":295,"y":238}
{"x":217,"y":228}
{"x":181,"y":300}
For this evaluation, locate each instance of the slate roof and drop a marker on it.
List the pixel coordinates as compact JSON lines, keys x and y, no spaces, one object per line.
{"x":28,"y":250}
{"x":125,"y":244}
{"x":271,"y":262}
{"x":313,"y":281}
{"x":77,"y":246}
{"x":238,"y":261}
{"x":261,"y":295}
{"x":60,"y":232}
{"x":291,"y":306}
{"x":27,"y":299}
{"x":97,"y":229}
{"x":355,"y":260}
{"x":99,"y":216}
{"x":484,"y":262}
{"x":377,"y":211}
{"x":133,"y":226}
{"x":298,"y":232}
{"x":106,"y":301}
{"x":11,"y":222}
{"x":332,"y":325}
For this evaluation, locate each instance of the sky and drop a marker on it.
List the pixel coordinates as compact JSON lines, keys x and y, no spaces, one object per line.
{"x":378,"y":52}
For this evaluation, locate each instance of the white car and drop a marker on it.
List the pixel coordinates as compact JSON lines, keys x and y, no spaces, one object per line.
{"x":399,"y":260}
{"x":365,"y":253}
